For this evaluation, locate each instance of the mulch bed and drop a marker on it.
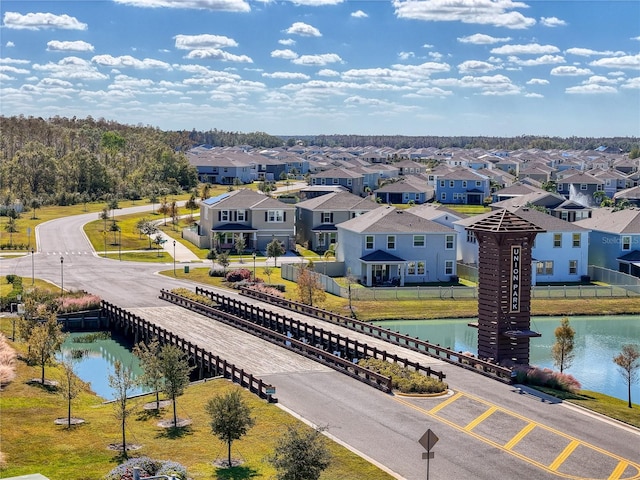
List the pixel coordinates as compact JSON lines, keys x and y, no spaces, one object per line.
{"x":182,"y":422}
{"x":65,"y":421}
{"x":155,"y":406}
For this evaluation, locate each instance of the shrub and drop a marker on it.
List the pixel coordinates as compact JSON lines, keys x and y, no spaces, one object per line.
{"x":148,"y":467}
{"x":69,"y":304}
{"x":216,"y":273}
{"x":185,"y":292}
{"x":404,"y":379}
{"x":238,"y":275}
{"x":268,"y":289}
{"x":545,"y":377}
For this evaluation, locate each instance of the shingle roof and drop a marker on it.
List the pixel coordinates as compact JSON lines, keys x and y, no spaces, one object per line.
{"x":388,"y":219}
{"x":337,"y":201}
{"x":501,"y":220}
{"x":606,"y":220}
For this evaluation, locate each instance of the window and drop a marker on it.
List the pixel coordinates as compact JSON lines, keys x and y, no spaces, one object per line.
{"x":368,"y":242}
{"x":411,"y":268}
{"x":478,"y":183}
{"x":573,"y":267}
{"x":626,"y":243}
{"x":464,"y":184}
{"x":335,"y":181}
{"x":443,"y":196}
{"x":391,"y":242}
{"x":420,"y":268}
{"x":576,"y":240}
{"x":471,"y":237}
{"x":224,"y":215}
{"x":451,"y":183}
{"x":349,"y":182}
{"x":418,"y":241}
{"x":544,"y":268}
{"x":448,"y":267}
{"x":326,"y":217}
{"x":583,"y":186}
{"x":275,"y":216}
{"x":442,"y":183}
{"x":242,"y":215}
{"x":448,"y":242}
{"x":557,"y":240}
{"x":560,"y":186}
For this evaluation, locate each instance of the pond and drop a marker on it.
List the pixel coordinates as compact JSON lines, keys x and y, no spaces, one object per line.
{"x":94,"y":361}
{"x":598,"y":339}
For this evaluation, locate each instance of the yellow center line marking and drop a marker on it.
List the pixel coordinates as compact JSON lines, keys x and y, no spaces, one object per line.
{"x":519,"y":436}
{"x":568,"y":450}
{"x":480,"y":418}
{"x":441,"y":405}
{"x":619,"y":470}
{"x":616,"y":475}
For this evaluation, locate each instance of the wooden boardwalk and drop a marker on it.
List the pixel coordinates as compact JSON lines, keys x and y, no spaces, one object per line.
{"x":245,"y":351}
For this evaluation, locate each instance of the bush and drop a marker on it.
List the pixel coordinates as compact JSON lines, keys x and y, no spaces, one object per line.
{"x":404,"y":379}
{"x":238,"y":275}
{"x":545,"y":377}
{"x":70,"y":304}
{"x":148,"y":467}
{"x":216,"y":273}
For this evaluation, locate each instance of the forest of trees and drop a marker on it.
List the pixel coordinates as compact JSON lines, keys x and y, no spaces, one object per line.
{"x":69,"y":160}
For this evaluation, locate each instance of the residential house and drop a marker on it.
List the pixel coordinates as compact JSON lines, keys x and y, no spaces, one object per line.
{"x":393,"y":246}
{"x":614,"y":181}
{"x":631,"y":195}
{"x":614,"y":242}
{"x":223,"y":166}
{"x":257,"y":217}
{"x":553,"y":203}
{"x":405,"y":190}
{"x":579,"y":187}
{"x":408,"y":167}
{"x":348,"y":178}
{"x":462,"y":186}
{"x":316,"y":218}
{"x":560,"y":253}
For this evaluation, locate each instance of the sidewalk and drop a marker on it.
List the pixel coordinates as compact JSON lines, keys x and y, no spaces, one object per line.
{"x":177,"y":250}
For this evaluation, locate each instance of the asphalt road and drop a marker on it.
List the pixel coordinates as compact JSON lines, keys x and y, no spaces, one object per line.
{"x":487,"y":430}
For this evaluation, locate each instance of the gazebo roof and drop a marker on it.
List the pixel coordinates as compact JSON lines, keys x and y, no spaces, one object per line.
{"x":503,"y":221}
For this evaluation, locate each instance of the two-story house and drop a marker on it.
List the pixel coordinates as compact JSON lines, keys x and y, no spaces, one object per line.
{"x":560,"y":253}
{"x":223,"y":166}
{"x":257,"y":217}
{"x":345,"y":177}
{"x":316,"y":218}
{"x":392,"y":246}
{"x":408,"y":189}
{"x":579,"y":187}
{"x":614,"y":242}
{"x":462,"y":186}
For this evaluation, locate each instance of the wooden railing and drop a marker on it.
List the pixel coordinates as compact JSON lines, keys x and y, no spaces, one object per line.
{"x":484,"y":367}
{"x":143,"y":330}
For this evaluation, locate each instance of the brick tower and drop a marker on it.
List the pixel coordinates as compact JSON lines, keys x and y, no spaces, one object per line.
{"x":505,"y":241}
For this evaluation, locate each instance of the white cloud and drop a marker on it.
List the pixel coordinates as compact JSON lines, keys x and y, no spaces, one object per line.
{"x":127,"y":61}
{"x":217,"y":54}
{"x":284,"y":54}
{"x":633,"y":83}
{"x":406,"y":55}
{"x":433,"y":92}
{"x":303,"y":29}
{"x":317,"y":60}
{"x":587,"y":52}
{"x":5,"y":78}
{"x":543,"y":60}
{"x":204,"y":41}
{"x":529,"y":49}
{"x":482,"y":12}
{"x":326,"y":72}
{"x":359,"y":14}
{"x":599,"y":79}
{"x":570,"y":71}
{"x":77,"y":46}
{"x":533,"y":95}
{"x":10,"y":45}
{"x":435,"y":56}
{"x":538,"y":81}
{"x":220,"y":5}
{"x":287,"y":75}
{"x":14,"y":70}
{"x":38,"y":21}
{"x":482,"y":39}
{"x":287,"y":42}
{"x":14,"y":61}
{"x":473,"y":66}
{"x":635,"y":38}
{"x":591,"y":89}
{"x":552,"y":22}
{"x":72,"y":68}
{"x":316,"y":3}
{"x":626,"y":62}
{"x":427,"y":45}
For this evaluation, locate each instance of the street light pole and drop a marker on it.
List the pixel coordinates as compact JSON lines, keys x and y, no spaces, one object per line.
{"x":174,"y":258}
{"x":33,"y":277}
{"x":254,"y":266}
{"x":62,"y":276}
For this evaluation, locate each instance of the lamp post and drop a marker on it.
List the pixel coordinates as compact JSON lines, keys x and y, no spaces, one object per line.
{"x":174,"y":258}
{"x":33,"y":277}
{"x":119,"y":243}
{"x":254,"y":265}
{"x":62,"y":276}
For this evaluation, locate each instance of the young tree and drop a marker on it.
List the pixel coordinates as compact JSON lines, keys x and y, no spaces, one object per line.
{"x":149,"y":356}
{"x":70,"y":386}
{"x":628,"y":362}
{"x":275,"y":249}
{"x":267,"y":271}
{"x":310,"y":289}
{"x":230,"y":418}
{"x":122,"y":382}
{"x":175,"y":372}
{"x":192,"y":204}
{"x":223,"y":260}
{"x":300,"y":455}
{"x":104,"y":215}
{"x":239,"y":243}
{"x":206,"y":189}
{"x":44,"y":341}
{"x":153,"y":199}
{"x":148,"y":228}
{"x":351,"y":280}
{"x":35,"y":204}
{"x":164,"y":209}
{"x":11,"y":227}
{"x":562,"y":350}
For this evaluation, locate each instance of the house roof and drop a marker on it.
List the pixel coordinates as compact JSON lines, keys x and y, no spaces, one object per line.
{"x":608,"y":220}
{"x":337,"y":201}
{"x":381,"y":256}
{"x":539,"y":198}
{"x":632,"y":193}
{"x":581,"y":178}
{"x":388,"y":219}
{"x":247,"y":199}
{"x":547,"y":222}
{"x":500,"y":221}
{"x":632,"y":257}
{"x":432,"y":210}
{"x":233,"y":227}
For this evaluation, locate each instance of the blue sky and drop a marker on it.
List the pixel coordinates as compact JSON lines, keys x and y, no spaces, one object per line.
{"x":308,"y":67}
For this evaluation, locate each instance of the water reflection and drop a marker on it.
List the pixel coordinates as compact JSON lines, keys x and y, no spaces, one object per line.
{"x":598,"y":339}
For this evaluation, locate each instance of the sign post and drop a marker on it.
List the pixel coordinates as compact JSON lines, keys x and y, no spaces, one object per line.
{"x":428,"y":440}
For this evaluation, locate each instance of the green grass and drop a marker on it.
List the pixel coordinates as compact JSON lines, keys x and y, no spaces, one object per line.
{"x":32,"y":443}
{"x":151,"y":256}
